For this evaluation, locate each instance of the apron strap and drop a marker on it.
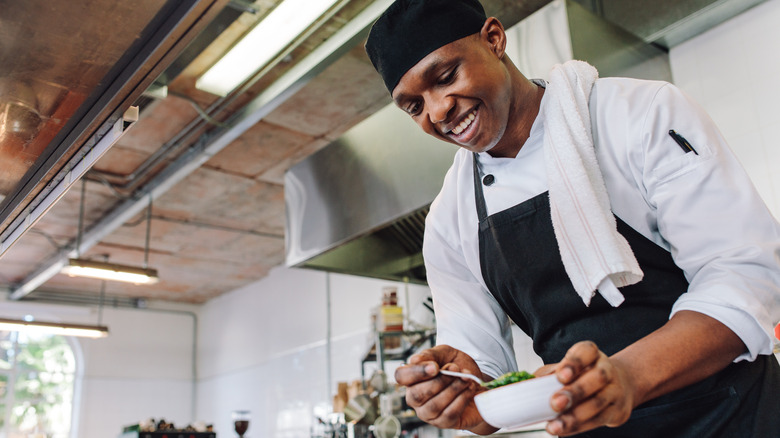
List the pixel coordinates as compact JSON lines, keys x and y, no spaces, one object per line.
{"x":479,"y":195}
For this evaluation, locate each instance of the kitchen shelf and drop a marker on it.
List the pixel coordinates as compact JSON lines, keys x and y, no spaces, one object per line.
{"x":411,"y":342}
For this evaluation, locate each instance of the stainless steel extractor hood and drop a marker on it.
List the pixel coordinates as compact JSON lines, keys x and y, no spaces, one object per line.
{"x":668,"y":22}
{"x":358,"y":206}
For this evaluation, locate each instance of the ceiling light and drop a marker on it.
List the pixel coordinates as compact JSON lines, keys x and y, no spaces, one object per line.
{"x":78,"y":267}
{"x":262,"y":44}
{"x":53,"y":328}
{"x":110,"y":271}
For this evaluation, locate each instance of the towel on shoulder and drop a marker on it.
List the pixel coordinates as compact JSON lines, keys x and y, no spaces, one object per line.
{"x":595,"y":255}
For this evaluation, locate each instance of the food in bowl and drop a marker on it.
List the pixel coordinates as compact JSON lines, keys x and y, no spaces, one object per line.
{"x":506,"y":379}
{"x":519,"y":404}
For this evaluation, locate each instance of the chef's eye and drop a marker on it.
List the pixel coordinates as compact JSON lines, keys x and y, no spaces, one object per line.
{"x":448,"y":77}
{"x":414,"y":108}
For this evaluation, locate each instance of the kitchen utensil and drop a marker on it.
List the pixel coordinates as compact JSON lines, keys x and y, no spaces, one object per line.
{"x":463,"y":375}
{"x":361,"y":409}
{"x":240,"y":422}
{"x":387,"y":426}
{"x":519,"y":404}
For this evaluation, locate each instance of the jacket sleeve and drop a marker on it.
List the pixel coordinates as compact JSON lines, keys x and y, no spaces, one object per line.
{"x":716,"y":225}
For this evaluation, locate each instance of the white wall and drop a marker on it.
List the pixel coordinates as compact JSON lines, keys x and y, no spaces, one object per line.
{"x":732,"y":71}
{"x":263,"y":348}
{"x":142,"y":369}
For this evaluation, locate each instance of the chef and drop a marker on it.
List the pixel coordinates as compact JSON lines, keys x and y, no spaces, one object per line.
{"x":606,"y":217}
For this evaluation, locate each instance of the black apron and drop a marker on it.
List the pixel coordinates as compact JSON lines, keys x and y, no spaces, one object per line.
{"x":523,"y":270}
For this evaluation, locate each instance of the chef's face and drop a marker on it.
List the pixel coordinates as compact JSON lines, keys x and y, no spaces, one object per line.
{"x":461,"y":93}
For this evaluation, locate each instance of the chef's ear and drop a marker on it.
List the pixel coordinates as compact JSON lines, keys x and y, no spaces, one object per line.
{"x":493,"y":34}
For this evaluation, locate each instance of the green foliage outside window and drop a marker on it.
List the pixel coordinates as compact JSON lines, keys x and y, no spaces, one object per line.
{"x":36,"y":385}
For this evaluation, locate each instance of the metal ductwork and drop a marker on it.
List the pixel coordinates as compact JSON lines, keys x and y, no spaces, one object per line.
{"x":358,"y":205}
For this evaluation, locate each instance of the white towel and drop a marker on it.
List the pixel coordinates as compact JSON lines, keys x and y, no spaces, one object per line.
{"x":595,"y":255}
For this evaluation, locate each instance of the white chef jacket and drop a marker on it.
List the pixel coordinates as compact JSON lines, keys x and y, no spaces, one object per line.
{"x":702,"y":208}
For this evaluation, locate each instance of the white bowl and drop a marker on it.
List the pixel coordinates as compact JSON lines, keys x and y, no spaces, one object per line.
{"x":519,"y":404}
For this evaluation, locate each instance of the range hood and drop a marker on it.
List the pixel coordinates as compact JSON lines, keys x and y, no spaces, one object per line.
{"x":358,"y":205}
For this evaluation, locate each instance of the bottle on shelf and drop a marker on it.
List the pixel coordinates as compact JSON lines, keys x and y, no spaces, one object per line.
{"x":391,"y":317}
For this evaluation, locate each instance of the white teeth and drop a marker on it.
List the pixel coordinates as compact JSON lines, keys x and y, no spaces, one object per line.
{"x":465,"y":123}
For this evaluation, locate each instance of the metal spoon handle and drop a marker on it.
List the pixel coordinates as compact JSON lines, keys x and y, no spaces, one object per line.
{"x":463,"y":375}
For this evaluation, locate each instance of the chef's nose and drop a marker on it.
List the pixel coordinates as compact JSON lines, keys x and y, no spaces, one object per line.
{"x":440,"y":108}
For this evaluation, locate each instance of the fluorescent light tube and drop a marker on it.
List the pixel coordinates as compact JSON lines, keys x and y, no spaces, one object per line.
{"x":262,"y":44}
{"x":53,"y":328}
{"x":110,"y":271}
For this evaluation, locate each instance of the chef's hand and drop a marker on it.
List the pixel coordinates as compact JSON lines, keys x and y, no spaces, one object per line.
{"x":602,"y":391}
{"x":597,"y":391}
{"x":443,"y":401}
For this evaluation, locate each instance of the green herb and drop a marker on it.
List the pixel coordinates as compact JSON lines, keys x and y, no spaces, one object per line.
{"x":506,"y":379}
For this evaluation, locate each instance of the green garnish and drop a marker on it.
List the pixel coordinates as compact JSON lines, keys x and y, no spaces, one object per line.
{"x":506,"y":379}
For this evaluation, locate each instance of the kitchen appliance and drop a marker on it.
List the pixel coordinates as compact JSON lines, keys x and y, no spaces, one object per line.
{"x":240,"y":422}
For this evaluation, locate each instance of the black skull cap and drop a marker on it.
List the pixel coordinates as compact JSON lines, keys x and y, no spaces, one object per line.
{"x":411,"y":29}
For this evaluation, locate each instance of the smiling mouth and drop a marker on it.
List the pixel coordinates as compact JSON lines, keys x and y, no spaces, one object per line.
{"x":465,"y":123}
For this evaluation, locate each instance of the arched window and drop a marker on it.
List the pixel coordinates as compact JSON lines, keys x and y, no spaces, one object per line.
{"x":37,"y":374}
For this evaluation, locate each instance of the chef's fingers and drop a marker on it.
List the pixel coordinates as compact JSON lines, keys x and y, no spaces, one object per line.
{"x":460,"y":413}
{"x":441,"y":354}
{"x":446,"y":357}
{"x":607,"y":408}
{"x":590,"y":382}
{"x":451,"y":401}
{"x":422,"y":386}
{"x":411,"y":374}
{"x":580,"y":357}
{"x":424,"y":365}
{"x":430,"y":398}
{"x":600,"y":396}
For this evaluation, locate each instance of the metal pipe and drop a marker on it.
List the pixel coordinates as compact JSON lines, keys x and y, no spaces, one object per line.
{"x":81,"y":214}
{"x":102,"y":301}
{"x":148,"y":232}
{"x":328,"y":339}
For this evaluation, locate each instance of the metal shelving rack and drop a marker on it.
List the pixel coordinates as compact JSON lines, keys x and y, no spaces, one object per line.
{"x":411,"y":342}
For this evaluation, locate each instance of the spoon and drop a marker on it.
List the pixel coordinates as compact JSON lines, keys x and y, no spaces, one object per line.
{"x":463,"y":375}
